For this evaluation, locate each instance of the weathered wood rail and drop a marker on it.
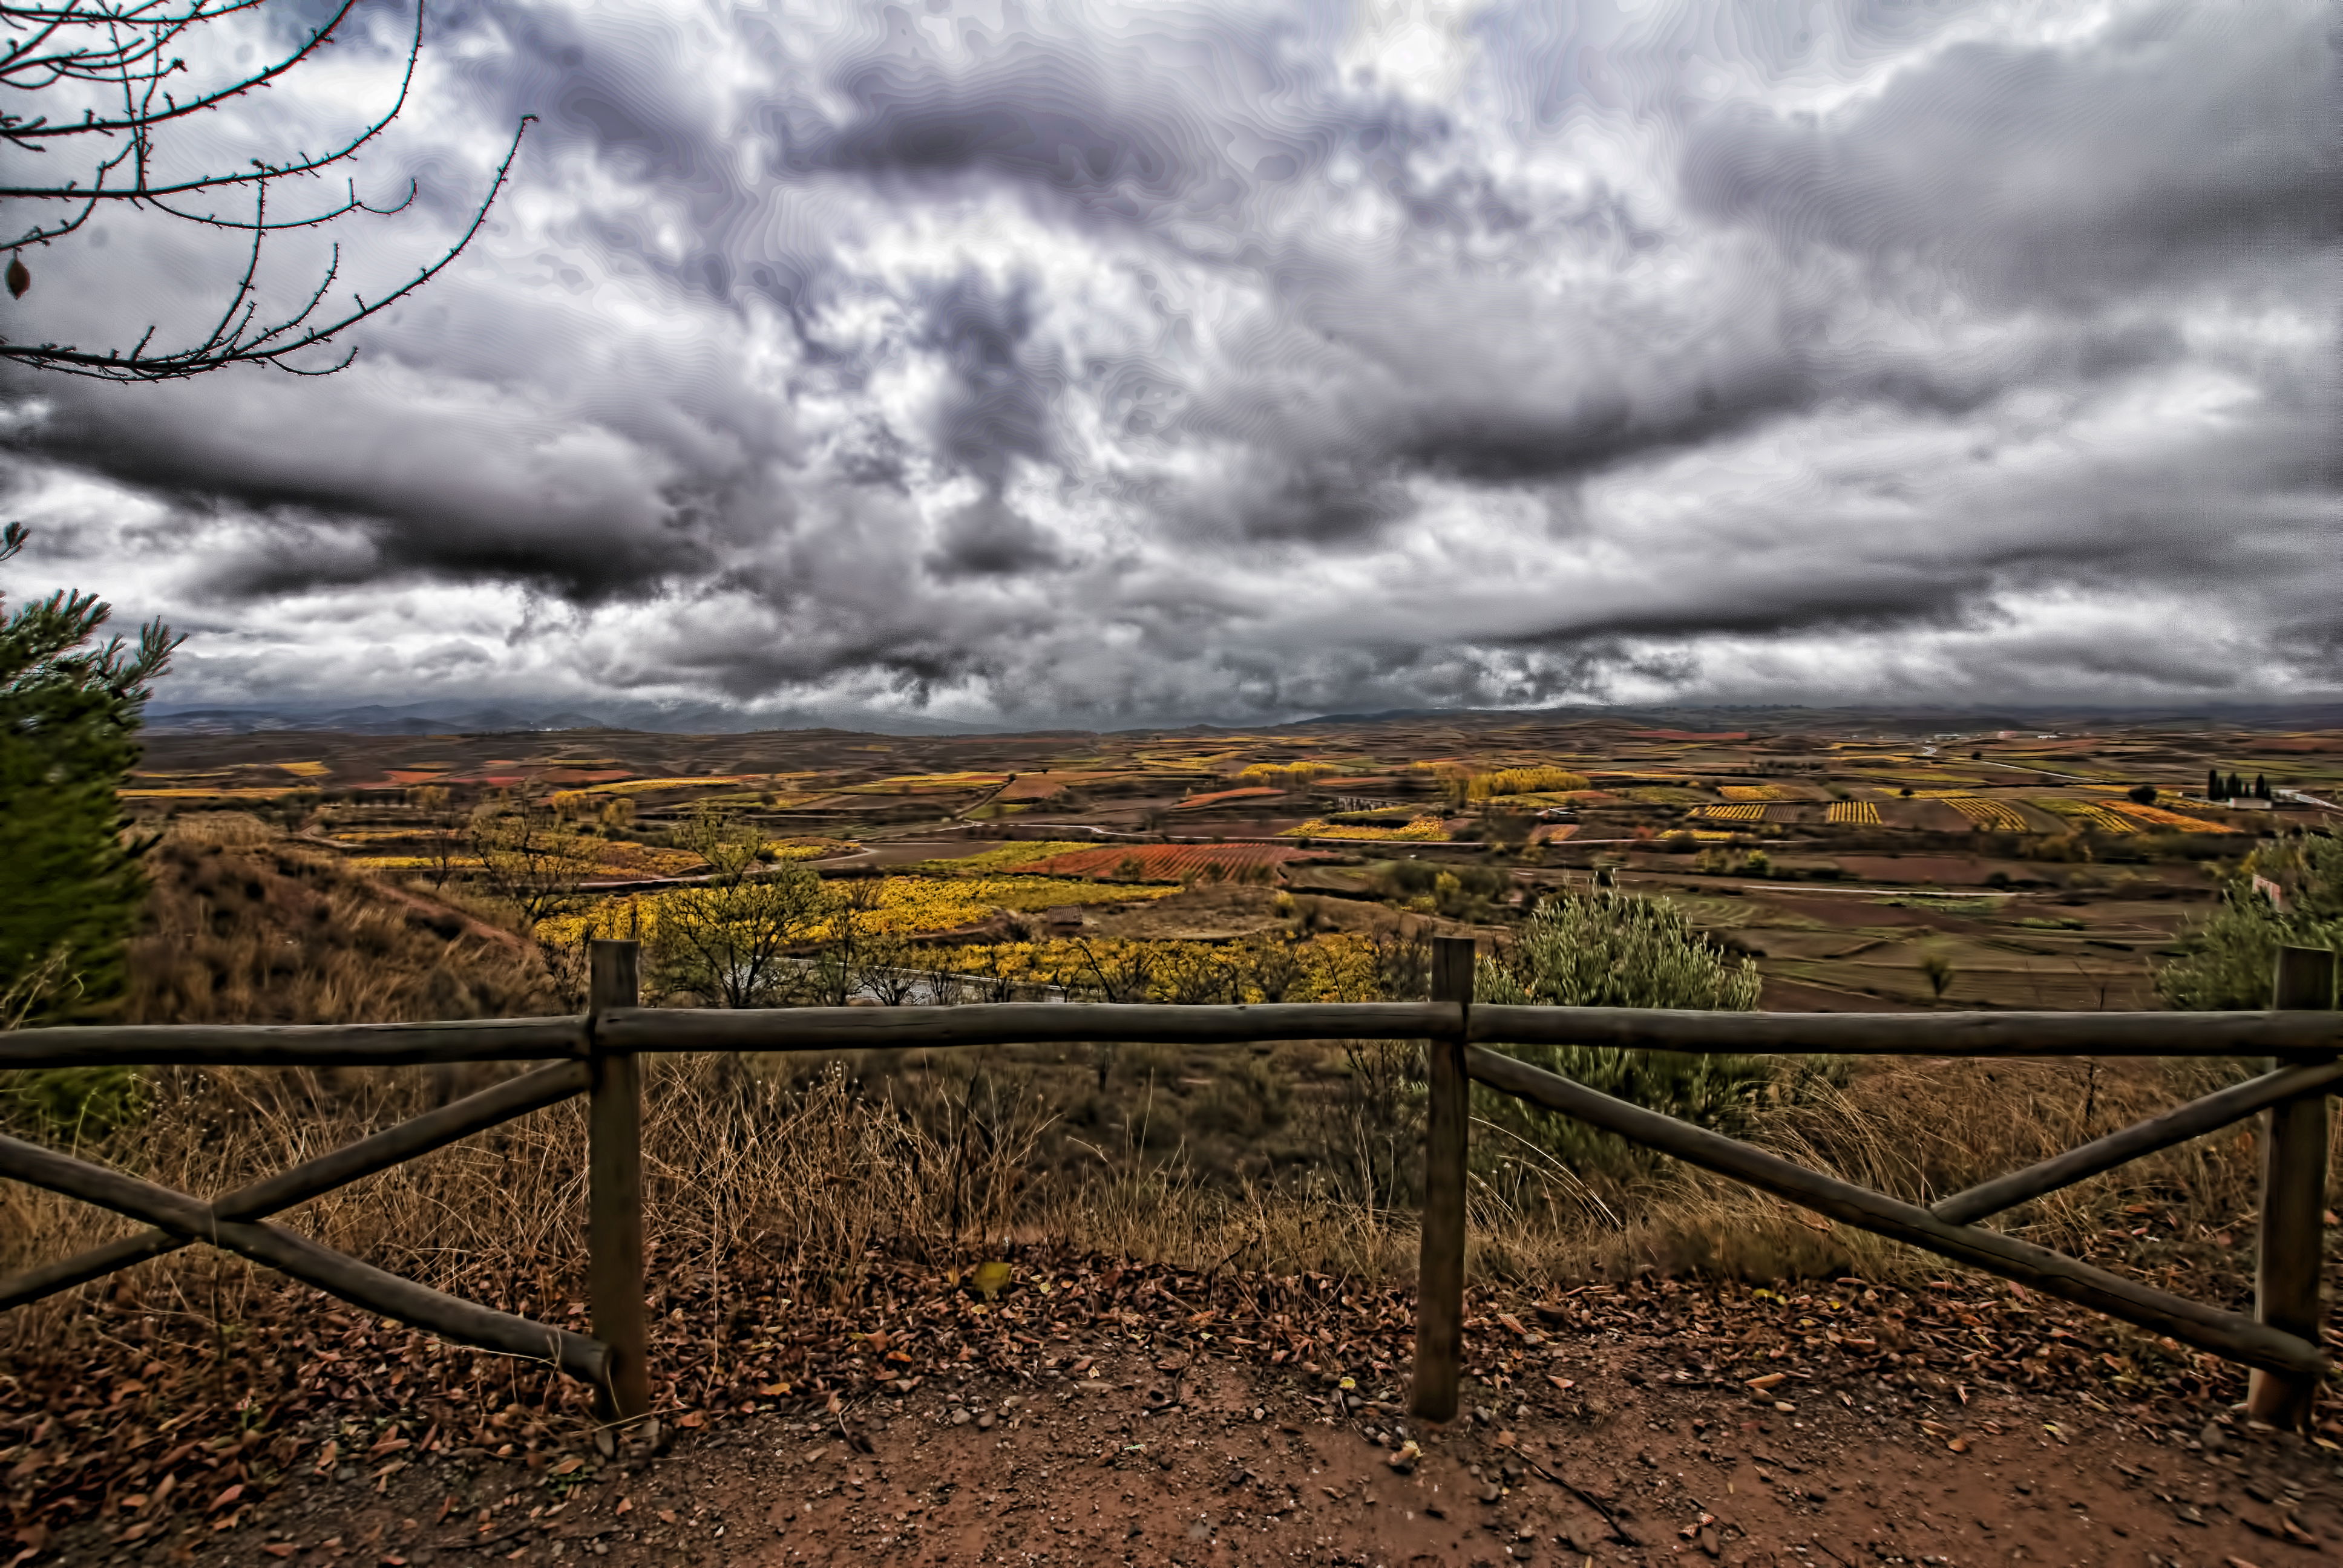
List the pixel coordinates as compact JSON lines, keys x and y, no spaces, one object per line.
{"x":599,"y":1053}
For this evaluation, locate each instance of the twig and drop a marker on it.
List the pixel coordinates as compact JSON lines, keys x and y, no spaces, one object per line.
{"x":1609,"y":1523}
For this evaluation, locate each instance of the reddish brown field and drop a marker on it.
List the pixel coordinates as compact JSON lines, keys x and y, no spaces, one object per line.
{"x":1217,"y":795}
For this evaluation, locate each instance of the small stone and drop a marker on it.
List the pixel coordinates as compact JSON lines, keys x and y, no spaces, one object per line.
{"x":2211,"y":1436}
{"x":987,"y":1422}
{"x":961,"y":1418}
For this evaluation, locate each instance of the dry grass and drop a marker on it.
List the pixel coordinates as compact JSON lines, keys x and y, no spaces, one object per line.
{"x":243,"y":926}
{"x":808,"y":1177}
{"x":1922,"y":1130}
{"x":819,"y":1168}
{"x":752,"y":1167}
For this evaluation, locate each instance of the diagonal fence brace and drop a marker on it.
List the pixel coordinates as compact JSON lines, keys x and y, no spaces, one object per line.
{"x":314,"y":1177}
{"x":2231,"y":1335}
{"x":335,"y":1273}
{"x":2210,"y":1113}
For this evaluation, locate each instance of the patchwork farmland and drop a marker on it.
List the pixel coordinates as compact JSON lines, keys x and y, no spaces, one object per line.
{"x":1840,"y":864}
{"x":2037,"y":868}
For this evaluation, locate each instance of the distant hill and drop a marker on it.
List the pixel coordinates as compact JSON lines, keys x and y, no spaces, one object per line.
{"x":720,"y":718}
{"x":517,"y":718}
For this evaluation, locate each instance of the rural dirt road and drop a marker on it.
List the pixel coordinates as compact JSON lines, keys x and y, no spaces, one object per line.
{"x":1221,"y":1463}
{"x":1098,"y":1410}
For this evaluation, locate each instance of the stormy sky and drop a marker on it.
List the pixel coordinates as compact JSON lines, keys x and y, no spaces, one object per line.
{"x":1116,"y":364}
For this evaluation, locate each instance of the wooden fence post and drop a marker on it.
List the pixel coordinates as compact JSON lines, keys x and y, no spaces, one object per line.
{"x":2294,"y":1200}
{"x":614,"y":1226}
{"x":1440,"y":1266}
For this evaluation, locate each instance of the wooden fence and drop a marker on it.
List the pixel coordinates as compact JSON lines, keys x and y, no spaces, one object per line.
{"x":600,"y":1052}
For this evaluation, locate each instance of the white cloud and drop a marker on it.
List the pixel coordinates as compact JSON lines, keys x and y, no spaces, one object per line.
{"x":1163,"y":362}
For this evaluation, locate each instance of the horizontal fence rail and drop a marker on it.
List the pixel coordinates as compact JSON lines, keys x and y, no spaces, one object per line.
{"x":599,"y":1053}
{"x":666,"y":1030}
{"x":297,"y":1044}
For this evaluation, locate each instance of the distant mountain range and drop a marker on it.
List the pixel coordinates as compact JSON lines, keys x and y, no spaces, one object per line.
{"x":1918,"y":719}
{"x":441,"y":717}
{"x":458,"y":718}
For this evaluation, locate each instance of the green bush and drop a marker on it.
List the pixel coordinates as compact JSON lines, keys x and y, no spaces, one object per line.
{"x":2226,"y":962}
{"x":1608,"y":948}
{"x":72,"y":1104}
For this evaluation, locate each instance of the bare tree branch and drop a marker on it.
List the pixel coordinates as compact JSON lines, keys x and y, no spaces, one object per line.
{"x":127,"y":49}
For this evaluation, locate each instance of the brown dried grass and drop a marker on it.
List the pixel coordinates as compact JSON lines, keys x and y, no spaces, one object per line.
{"x":818,"y":1169}
{"x":243,"y":926}
{"x":751,"y":1163}
{"x":807,"y":1176}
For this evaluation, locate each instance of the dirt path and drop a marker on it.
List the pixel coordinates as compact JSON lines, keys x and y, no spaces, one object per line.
{"x":1127,"y":1459}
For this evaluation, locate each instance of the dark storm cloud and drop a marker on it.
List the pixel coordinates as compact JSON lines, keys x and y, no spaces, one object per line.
{"x":2190,"y":138}
{"x":989,"y":538}
{"x":1002,"y":386}
{"x":1181,"y":361}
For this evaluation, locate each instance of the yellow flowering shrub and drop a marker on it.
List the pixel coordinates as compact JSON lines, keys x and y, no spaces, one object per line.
{"x":1523,"y":782}
{"x":906,"y":906}
{"x":811,"y":849}
{"x":1422,"y":830}
{"x":1016,"y":852}
{"x":1340,"y":967}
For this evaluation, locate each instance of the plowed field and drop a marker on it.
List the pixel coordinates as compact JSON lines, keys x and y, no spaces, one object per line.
{"x":1991,"y":815}
{"x":2156,"y":816}
{"x":1168,"y":862}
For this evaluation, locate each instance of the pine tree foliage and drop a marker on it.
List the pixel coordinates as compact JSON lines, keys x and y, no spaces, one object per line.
{"x":70,"y":883}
